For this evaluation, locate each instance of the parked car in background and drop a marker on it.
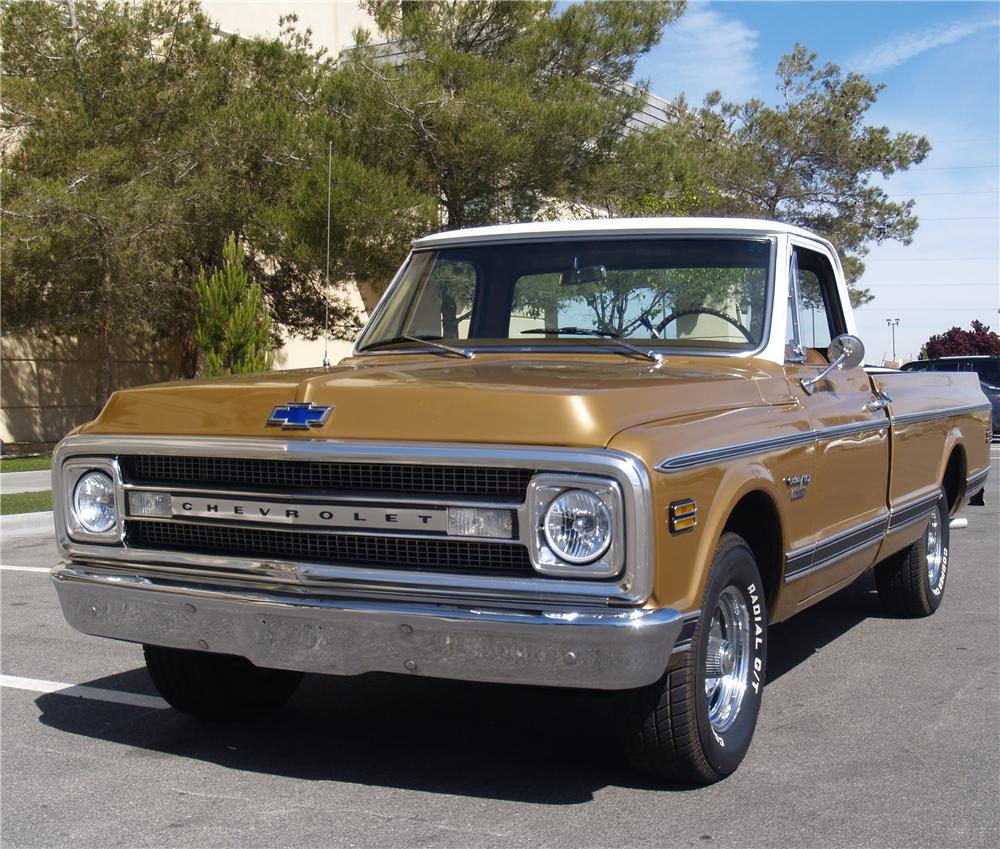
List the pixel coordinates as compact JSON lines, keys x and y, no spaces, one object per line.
{"x":986,"y":366}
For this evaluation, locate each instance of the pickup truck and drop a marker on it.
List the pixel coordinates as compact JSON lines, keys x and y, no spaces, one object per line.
{"x":603,"y":454}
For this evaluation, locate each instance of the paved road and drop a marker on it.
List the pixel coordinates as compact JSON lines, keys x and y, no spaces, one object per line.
{"x":875,"y":732}
{"x":26,"y":481}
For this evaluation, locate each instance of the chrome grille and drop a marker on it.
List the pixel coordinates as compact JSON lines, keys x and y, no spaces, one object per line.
{"x":467,"y":558}
{"x":290,"y":475}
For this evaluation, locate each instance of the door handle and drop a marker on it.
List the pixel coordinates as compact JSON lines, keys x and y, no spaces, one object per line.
{"x":876,"y":404}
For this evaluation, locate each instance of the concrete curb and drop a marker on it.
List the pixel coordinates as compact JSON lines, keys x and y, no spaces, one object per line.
{"x":28,"y":524}
{"x":11,"y":482}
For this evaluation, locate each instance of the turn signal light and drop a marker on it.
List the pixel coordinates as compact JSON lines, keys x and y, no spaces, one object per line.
{"x":683,"y":516}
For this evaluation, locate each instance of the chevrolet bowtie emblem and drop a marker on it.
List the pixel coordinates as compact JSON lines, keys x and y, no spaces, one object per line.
{"x":299,"y":416}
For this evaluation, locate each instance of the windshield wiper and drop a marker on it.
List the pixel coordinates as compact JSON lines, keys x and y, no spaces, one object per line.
{"x":653,"y":356}
{"x":423,"y":340}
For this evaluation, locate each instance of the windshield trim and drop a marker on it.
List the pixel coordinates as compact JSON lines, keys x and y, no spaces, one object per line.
{"x":359,"y":350}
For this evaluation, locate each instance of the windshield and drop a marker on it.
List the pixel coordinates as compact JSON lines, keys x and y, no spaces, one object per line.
{"x":696,"y":293}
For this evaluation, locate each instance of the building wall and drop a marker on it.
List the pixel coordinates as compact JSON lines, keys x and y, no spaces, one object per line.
{"x":48,"y":387}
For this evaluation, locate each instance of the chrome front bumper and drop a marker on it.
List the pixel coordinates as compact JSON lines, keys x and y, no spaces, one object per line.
{"x":603,"y":649}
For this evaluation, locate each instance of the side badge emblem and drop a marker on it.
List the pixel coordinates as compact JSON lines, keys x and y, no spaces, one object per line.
{"x":299,"y":416}
{"x":797,"y":484}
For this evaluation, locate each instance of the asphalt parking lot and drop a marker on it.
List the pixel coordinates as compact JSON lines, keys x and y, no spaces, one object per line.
{"x":875,"y":732}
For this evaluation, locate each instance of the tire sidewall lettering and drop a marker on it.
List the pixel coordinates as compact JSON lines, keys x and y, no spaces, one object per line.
{"x":724,"y":750}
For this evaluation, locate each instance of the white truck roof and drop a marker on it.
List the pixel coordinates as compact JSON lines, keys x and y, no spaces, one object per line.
{"x":613,"y":227}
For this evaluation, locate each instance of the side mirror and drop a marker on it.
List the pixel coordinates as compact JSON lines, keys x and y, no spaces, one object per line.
{"x":845,"y":351}
{"x":848,"y":347}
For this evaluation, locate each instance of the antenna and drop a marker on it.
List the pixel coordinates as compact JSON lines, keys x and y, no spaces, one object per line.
{"x":326,"y":293}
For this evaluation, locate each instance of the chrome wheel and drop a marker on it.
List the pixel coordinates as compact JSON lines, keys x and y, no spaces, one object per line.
{"x":935,"y":552}
{"x":727,"y":660}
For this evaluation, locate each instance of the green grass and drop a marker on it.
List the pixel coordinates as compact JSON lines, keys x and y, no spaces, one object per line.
{"x":25,"y":464}
{"x":25,"y":502}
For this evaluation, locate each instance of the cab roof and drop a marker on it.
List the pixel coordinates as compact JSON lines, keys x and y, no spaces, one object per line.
{"x":612,"y":227}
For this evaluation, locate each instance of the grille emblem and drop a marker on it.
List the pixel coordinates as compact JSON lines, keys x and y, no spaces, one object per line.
{"x":299,"y":416}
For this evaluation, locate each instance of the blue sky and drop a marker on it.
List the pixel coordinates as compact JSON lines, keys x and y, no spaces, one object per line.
{"x":941,"y":66}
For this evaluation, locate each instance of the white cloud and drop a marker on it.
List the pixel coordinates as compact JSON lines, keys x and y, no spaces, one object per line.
{"x":894,"y":51}
{"x":705,"y":50}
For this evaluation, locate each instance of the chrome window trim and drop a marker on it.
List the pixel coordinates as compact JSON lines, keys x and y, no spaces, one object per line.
{"x":633,"y":586}
{"x":770,"y":238}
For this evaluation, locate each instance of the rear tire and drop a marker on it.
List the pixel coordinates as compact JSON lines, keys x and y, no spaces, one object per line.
{"x":217,"y":686}
{"x":912,"y":582}
{"x":693,"y":726}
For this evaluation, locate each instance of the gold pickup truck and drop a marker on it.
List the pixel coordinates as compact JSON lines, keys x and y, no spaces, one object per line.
{"x":603,"y":454}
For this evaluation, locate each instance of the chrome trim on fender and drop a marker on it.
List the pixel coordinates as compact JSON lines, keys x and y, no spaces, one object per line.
{"x":764,"y":446}
{"x":912,"y":512}
{"x":633,"y":586}
{"x":974,"y":482}
{"x":827,"y":552}
{"x":913,"y":418}
{"x":609,"y":649}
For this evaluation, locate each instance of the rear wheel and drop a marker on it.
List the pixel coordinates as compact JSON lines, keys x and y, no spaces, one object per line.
{"x":217,"y":686}
{"x":695,"y":724}
{"x":912,"y":582}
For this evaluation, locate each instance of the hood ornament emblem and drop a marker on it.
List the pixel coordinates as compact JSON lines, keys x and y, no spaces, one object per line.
{"x":299,"y":416}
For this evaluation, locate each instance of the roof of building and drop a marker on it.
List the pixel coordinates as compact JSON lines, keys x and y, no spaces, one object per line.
{"x":610,"y":227}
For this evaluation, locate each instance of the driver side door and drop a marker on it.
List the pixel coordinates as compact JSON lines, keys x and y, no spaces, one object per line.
{"x":851,"y":469}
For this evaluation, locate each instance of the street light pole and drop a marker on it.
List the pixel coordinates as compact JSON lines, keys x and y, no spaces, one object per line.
{"x":893,"y":324}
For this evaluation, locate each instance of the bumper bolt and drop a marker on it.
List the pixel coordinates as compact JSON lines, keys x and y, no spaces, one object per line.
{"x":406,"y":629}
{"x":411,"y":665}
{"x":190,"y":608}
{"x":570,"y":658}
{"x":202,"y":644}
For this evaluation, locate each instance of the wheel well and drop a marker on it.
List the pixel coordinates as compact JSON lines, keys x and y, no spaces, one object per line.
{"x":755,"y":518}
{"x":954,"y":478}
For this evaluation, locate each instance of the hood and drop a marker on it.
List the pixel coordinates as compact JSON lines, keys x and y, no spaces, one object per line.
{"x":553,"y":400}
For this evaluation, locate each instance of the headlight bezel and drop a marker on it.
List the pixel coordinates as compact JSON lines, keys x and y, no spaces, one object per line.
{"x":542,"y":492}
{"x":73,"y":471}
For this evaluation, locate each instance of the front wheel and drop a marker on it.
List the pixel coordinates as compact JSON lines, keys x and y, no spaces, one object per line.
{"x":911,"y":582}
{"x":217,"y":686}
{"x":695,"y":724}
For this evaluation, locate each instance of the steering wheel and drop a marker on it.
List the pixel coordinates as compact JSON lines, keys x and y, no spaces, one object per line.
{"x":706,"y":311}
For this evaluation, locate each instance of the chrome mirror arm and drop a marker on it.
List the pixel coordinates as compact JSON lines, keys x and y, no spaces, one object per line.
{"x":810,"y":382}
{"x":845,"y":350}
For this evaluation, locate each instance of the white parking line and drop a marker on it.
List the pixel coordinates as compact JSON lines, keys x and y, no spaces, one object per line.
{"x":43,"y":569}
{"x":82,"y":691}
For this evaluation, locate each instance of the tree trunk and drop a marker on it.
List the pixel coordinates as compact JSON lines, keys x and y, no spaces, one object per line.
{"x":105,"y":367}
{"x":188,"y":366}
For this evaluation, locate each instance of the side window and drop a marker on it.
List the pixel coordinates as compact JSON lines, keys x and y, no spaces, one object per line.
{"x":818,"y":314}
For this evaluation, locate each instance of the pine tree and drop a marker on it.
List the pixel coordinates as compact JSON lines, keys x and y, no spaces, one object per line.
{"x":232,"y":326}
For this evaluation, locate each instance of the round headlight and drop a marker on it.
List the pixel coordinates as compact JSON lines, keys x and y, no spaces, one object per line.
{"x":94,"y":502}
{"x":577,"y":526}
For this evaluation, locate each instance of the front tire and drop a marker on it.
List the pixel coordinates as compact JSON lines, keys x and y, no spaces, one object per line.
{"x":695,"y":724}
{"x":217,"y":686}
{"x":912,"y":582}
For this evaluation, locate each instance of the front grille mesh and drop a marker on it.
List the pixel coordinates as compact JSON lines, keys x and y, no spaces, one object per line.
{"x":476,"y":558}
{"x":290,"y":475}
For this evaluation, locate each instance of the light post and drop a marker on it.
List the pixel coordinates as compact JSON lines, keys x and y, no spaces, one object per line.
{"x":893,"y":324}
